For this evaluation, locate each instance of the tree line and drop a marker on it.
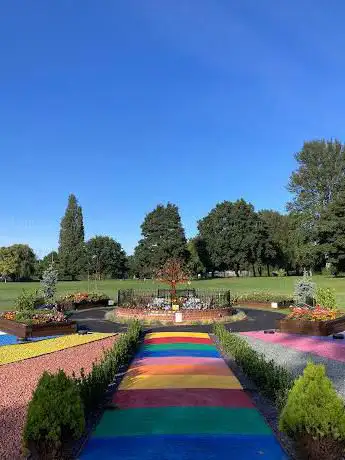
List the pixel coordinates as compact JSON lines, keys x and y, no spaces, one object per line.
{"x":232,"y":236}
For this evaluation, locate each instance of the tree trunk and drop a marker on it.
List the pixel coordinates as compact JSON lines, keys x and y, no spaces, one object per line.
{"x":254,"y":271}
{"x":268,"y":270}
{"x":260,"y":270}
{"x":237,"y":270}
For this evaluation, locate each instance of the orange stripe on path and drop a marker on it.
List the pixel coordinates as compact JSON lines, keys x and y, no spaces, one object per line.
{"x":161,"y":340}
{"x":216,"y":368}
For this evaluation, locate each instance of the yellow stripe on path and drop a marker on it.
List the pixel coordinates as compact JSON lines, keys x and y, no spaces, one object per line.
{"x":159,"y":335}
{"x":150,"y":382}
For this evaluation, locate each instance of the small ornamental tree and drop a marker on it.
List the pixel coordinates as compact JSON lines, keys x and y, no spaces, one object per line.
{"x":304,"y":292}
{"x":314,"y":416}
{"x":173,"y":273}
{"x":49,"y":281}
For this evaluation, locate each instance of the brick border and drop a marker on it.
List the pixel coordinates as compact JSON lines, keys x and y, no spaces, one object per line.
{"x":169,"y":316}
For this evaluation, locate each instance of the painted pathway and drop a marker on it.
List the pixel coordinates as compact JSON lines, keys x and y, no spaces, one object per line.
{"x":178,"y":401}
{"x":327,"y":347}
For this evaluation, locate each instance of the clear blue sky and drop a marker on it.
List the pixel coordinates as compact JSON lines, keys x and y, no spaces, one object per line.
{"x":129,"y":103}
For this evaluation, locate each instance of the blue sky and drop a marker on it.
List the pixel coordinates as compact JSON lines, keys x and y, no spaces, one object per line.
{"x":129,"y":103}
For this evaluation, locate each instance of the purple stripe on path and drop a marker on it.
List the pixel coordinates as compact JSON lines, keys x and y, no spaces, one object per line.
{"x":325,"y":348}
{"x":175,"y":360}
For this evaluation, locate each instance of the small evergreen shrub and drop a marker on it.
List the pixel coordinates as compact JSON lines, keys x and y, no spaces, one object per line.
{"x":314,"y":415}
{"x":304,"y":292}
{"x":273,"y":381}
{"x":55,"y":414}
{"x":49,"y":282}
{"x":325,"y":297}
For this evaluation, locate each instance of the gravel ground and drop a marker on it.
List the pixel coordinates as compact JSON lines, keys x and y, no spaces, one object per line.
{"x":18,"y":380}
{"x":295,"y":361}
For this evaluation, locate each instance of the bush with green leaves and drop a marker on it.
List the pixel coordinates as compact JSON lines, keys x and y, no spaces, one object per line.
{"x":304,"y":292}
{"x":314,"y":415}
{"x":273,"y":381}
{"x":29,"y":300}
{"x":49,"y":281}
{"x":262,"y":296}
{"x":325,"y":297}
{"x":55,"y":415}
{"x":93,"y":386}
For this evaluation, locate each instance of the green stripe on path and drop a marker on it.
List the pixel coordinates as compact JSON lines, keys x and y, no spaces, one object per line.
{"x":181,"y":420}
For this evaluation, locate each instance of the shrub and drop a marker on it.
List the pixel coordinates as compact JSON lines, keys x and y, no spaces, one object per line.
{"x":55,"y":414}
{"x":49,"y":281}
{"x":262,"y":296}
{"x":274,"y":381}
{"x":304,"y":292}
{"x":325,"y":297}
{"x":314,"y":415}
{"x":93,"y":386}
{"x":28,"y":300}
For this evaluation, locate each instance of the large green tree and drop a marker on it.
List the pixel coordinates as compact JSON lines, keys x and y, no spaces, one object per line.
{"x":71,"y":241}
{"x":17,"y":261}
{"x":196,"y":258}
{"x":105,"y":257}
{"x":231,"y":231}
{"x":318,"y":178}
{"x":331,"y":232}
{"x":163,"y":238}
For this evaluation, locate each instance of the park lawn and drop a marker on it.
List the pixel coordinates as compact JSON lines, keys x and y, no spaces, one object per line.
{"x":285,"y":285}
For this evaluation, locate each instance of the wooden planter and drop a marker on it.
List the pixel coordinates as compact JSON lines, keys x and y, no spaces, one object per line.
{"x":307,"y":327}
{"x":84,"y":305}
{"x":25,"y":331}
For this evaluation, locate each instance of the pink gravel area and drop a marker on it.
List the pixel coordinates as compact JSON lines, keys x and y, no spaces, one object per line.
{"x":18,"y":380}
{"x":334,"y":349}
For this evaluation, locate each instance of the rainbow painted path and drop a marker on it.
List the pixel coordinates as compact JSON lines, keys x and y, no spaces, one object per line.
{"x":178,"y":401}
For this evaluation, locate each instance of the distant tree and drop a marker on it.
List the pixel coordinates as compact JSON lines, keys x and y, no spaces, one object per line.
{"x":7,"y":263}
{"x":71,"y":242}
{"x":196,"y":256}
{"x":319,"y":177}
{"x":331,"y":232}
{"x":105,"y":257}
{"x":230,"y":232}
{"x":46,"y":261}
{"x":163,"y":238}
{"x":17,"y":261}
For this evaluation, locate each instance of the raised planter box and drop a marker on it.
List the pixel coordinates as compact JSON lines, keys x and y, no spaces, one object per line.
{"x":169,"y":316}
{"x":307,"y":327}
{"x":84,"y":305}
{"x":25,"y":331}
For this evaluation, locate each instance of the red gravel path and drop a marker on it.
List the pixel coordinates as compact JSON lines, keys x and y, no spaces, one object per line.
{"x":18,"y":380}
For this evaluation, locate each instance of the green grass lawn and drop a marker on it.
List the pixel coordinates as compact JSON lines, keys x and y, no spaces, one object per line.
{"x":9,"y":291}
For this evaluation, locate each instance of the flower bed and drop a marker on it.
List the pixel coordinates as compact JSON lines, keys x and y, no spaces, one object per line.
{"x":36,"y":323}
{"x":82,"y":300}
{"x":312,"y":321}
{"x":170,"y":316}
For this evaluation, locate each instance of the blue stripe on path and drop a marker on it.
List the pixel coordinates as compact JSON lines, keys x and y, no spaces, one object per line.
{"x":167,"y":353}
{"x":182,"y":447}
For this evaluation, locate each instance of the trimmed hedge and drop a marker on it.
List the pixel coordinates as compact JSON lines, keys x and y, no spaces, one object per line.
{"x":61,"y":405}
{"x":92,"y":386}
{"x":262,"y":296}
{"x":273,"y":381}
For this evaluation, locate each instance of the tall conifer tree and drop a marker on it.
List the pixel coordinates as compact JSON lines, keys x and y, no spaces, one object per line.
{"x":71,"y":242}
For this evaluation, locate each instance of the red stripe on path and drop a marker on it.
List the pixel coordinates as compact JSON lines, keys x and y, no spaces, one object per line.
{"x":181,"y":397}
{"x":161,"y":340}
